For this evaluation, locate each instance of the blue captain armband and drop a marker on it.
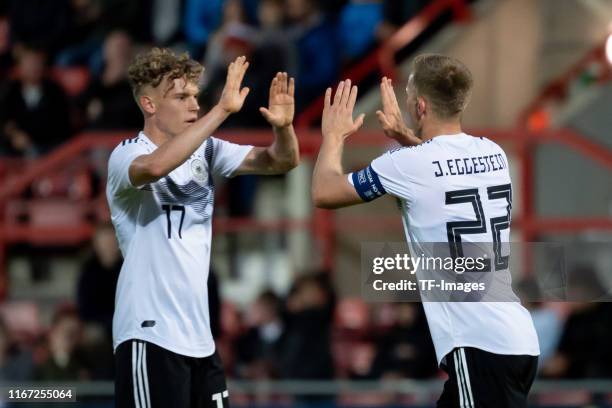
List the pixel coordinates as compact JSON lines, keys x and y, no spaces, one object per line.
{"x":367,"y":184}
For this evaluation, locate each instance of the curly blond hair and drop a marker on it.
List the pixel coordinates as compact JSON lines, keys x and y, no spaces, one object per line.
{"x":151,"y":67}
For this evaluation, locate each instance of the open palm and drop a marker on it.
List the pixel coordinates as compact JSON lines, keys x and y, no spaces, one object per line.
{"x":232,"y":97}
{"x":391,"y":119}
{"x":337,"y":120}
{"x":281,"y":105}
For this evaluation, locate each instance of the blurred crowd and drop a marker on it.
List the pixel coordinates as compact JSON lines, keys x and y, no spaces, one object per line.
{"x":307,"y":333}
{"x":65,"y":61}
{"x":63,"y":65}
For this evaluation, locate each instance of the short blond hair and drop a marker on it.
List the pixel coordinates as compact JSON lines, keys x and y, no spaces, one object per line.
{"x":151,"y":67}
{"x":444,"y":81}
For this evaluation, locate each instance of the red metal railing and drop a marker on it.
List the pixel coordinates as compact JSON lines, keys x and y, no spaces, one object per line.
{"x":524,"y":139}
{"x":558,"y":89}
{"x":534,"y":119}
{"x":324,"y":224}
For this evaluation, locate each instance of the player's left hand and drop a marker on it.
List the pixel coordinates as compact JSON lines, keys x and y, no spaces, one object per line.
{"x":281,"y":105}
{"x":337,"y":121}
{"x":390,"y":117}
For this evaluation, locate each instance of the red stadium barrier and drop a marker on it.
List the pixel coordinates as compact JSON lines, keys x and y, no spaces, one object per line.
{"x":324,"y":223}
{"x":559,"y":87}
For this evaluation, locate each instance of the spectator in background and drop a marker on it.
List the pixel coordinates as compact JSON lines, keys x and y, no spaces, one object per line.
{"x":5,"y":44}
{"x":317,"y":52}
{"x":98,"y":279}
{"x":214,"y":304}
{"x":131,"y":16}
{"x":251,"y":11}
{"x":95,"y":296}
{"x":547,"y":319}
{"x":306,"y":349}
{"x":258,"y":349}
{"x":357,"y":25}
{"x":108,"y":99}
{"x":94,"y":20}
{"x":267,"y":47}
{"x":43,"y":22}
{"x":34,"y":114}
{"x":548,"y":325}
{"x":200,"y":21}
{"x":584,"y":349}
{"x":332,"y":7}
{"x":235,"y":37}
{"x":396,"y":14}
{"x":62,"y":362}
{"x":406,"y":350}
{"x":166,"y":19}
{"x":16,"y":365}
{"x":86,"y":36}
{"x":272,"y":53}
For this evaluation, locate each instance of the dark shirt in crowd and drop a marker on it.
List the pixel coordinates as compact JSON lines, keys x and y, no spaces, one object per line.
{"x":406,"y":350}
{"x":43,"y":22}
{"x":585,"y":342}
{"x":306,"y":349}
{"x":42,"y":113}
{"x":96,"y":292}
{"x":17,"y":365}
{"x":258,"y":352}
{"x":113,"y":106}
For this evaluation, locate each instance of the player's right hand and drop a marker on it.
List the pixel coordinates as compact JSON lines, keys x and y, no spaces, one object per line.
{"x":232,"y":97}
{"x":391,"y":119}
{"x":337,"y":121}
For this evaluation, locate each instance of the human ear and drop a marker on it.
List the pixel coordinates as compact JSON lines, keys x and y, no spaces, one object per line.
{"x":421,"y":107}
{"x":147,"y":104}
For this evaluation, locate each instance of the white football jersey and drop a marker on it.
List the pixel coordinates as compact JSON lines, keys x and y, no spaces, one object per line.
{"x":164,"y":233}
{"x":444,"y":184}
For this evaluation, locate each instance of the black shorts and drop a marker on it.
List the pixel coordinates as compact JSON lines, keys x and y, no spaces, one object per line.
{"x":149,"y":376}
{"x":479,"y":379}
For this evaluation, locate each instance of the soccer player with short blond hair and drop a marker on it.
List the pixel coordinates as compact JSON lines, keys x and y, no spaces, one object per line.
{"x":455,"y":190}
{"x":160,"y":191}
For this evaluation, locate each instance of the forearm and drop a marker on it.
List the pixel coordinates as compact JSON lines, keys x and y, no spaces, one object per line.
{"x":328,"y":168}
{"x":178,"y":149}
{"x":284,"y":151}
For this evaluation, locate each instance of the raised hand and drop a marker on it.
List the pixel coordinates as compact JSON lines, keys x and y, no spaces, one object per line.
{"x":281,"y":105}
{"x":390,"y":117}
{"x":232,"y":97}
{"x":337,"y":119}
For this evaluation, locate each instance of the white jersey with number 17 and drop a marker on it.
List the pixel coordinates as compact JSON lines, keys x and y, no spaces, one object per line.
{"x":164,"y":232}
{"x":450,"y":180}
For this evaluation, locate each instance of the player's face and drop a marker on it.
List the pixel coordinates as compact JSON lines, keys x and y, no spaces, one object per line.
{"x":411,"y":106}
{"x":176,"y":106}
